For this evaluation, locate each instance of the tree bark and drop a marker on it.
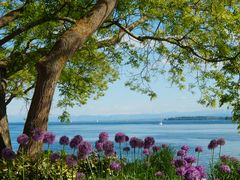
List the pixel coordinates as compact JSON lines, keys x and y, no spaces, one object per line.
{"x":5,"y":140}
{"x":50,"y":67}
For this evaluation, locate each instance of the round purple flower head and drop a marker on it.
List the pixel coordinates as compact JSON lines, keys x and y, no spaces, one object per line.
{"x":75,"y":141}
{"x":146,"y":152}
{"x":190,"y":159}
{"x":99,"y":145}
{"x":148,"y":142}
{"x":221,"y":141}
{"x":64,"y":140}
{"x":133,"y":142}
{"x":179,"y":163}
{"x":103,"y":136}
{"x":185,"y":148}
{"x":201,"y":171}
{"x":80,"y":176}
{"x":114,"y":166}
{"x":84,"y":149}
{"x":213,"y":144}
{"x":198,"y":149}
{"x":38,"y":134}
{"x":55,"y":157}
{"x":126,"y":149}
{"x":159,"y":174}
{"x":108,"y":148}
{"x":71,"y":160}
{"x":140,"y":143}
{"x":49,"y":138}
{"x":181,"y":171}
{"x":120,"y":137}
{"x":8,"y":154}
{"x":181,"y":153}
{"x":225,"y":168}
{"x":192,"y":173}
{"x":23,"y":139}
{"x":126,"y":138}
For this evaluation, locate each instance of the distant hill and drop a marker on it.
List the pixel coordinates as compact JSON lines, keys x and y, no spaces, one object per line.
{"x":200,"y":118}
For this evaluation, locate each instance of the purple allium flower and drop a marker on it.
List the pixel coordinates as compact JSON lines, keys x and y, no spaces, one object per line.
{"x":126,"y":138}
{"x":49,"y":138}
{"x":71,"y":160}
{"x":148,"y":142}
{"x":75,"y":141}
{"x":8,"y":154}
{"x":80,"y":176}
{"x":38,"y":134}
{"x":225,"y":168}
{"x":201,"y":171}
{"x":213,"y":144}
{"x":23,"y":139}
{"x":120,"y":137}
{"x":126,"y":149}
{"x":181,"y":171}
{"x":225,"y":157}
{"x":159,"y":174}
{"x":199,"y":149}
{"x":108,"y":148}
{"x":146,"y":152}
{"x":192,"y":173}
{"x":164,"y":145}
{"x":103,"y":136}
{"x":114,"y":166}
{"x":108,"y":145}
{"x":99,"y":145}
{"x":181,"y":153}
{"x":84,"y":149}
{"x":64,"y":140}
{"x":221,"y":141}
{"x":185,"y":148}
{"x":190,"y":159}
{"x":55,"y":157}
{"x":133,"y":142}
{"x":179,"y":163}
{"x":156,"y":148}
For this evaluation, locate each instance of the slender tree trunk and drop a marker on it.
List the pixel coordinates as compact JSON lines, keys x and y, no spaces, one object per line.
{"x":5,"y":140}
{"x":50,"y":67}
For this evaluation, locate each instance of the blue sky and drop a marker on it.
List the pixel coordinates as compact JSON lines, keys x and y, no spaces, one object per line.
{"x":120,"y":100}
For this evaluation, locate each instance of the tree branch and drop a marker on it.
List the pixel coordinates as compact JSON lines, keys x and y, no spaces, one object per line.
{"x":14,"y":95}
{"x":121,"y":33}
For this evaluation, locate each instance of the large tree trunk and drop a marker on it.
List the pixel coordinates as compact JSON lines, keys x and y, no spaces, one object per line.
{"x":49,"y":69}
{"x":5,"y":140}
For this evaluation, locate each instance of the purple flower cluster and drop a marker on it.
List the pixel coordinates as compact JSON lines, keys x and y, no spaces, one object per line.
{"x":198,"y":149}
{"x":64,"y":140}
{"x":75,"y":141}
{"x":55,"y":157}
{"x":120,"y":137}
{"x":185,"y":165}
{"x":103,"y":136}
{"x":84,"y":149}
{"x":49,"y":138}
{"x":71,"y":160}
{"x":221,"y":141}
{"x":148,"y":142}
{"x":156,"y":148}
{"x":213,"y":144}
{"x":99,"y":145}
{"x":108,"y":148}
{"x":37,"y":134}
{"x":115,"y":166}
{"x":8,"y":154}
{"x":225,"y":168}
{"x":136,"y":142}
{"x":23,"y":139}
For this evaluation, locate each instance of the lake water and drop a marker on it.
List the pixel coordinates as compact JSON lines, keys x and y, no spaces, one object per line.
{"x":173,"y":132}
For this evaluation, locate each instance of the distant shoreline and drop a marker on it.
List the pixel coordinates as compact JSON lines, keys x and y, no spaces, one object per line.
{"x":199,"y":118}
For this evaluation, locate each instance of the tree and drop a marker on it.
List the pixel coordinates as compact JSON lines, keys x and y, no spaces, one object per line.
{"x":66,"y":38}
